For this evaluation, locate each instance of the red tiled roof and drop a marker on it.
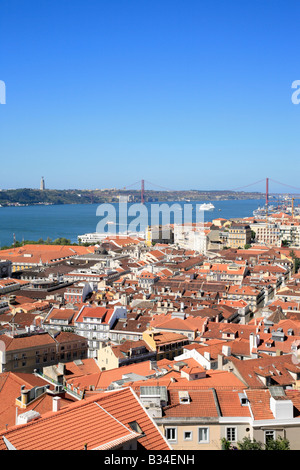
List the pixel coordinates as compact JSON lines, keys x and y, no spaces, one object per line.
{"x":230,"y":404}
{"x":33,"y":254}
{"x":95,"y":312}
{"x":202,"y":404}
{"x":13,"y":344}
{"x":260,"y":404}
{"x":10,"y":389}
{"x":99,"y":422}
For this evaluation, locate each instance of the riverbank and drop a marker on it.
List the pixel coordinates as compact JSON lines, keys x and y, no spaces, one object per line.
{"x":32,"y":197}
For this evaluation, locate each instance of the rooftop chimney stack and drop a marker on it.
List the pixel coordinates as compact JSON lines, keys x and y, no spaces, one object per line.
{"x":56,"y":404}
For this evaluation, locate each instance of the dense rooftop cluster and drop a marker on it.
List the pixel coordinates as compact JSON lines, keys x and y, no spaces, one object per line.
{"x":166,"y":345}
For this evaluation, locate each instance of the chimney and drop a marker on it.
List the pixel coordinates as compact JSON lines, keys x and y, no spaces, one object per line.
{"x":61,"y":368}
{"x":226,"y":350}
{"x":24,"y":396}
{"x":281,"y":408}
{"x":207,"y":355}
{"x":56,"y":404}
{"x":254,"y":341}
{"x":220,"y":361}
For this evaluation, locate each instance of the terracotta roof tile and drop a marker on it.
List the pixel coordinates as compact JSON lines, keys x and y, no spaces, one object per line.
{"x":101,"y":421}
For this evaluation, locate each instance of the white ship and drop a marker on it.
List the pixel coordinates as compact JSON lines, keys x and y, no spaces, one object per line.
{"x":206,"y":207}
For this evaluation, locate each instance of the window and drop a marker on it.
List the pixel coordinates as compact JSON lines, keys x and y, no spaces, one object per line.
{"x":231,"y":434}
{"x":203,"y":434}
{"x":171,"y":434}
{"x":184,"y":397}
{"x":269,"y":436}
{"x":134,"y":425}
{"x":187,"y":435}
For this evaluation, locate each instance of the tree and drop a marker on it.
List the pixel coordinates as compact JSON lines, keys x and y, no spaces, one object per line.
{"x":277,"y":444}
{"x":226,"y":445}
{"x":272,"y":444}
{"x":61,"y":241}
{"x":247,"y":444}
{"x":296,"y":261}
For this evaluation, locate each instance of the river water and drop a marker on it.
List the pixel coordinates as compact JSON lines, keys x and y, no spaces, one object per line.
{"x":71,"y":220}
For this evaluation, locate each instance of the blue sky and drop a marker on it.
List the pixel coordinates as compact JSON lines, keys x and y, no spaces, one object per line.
{"x":184,"y":94}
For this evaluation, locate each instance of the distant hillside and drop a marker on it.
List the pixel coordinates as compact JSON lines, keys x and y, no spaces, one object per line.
{"x":48,"y":196}
{"x":28,"y":196}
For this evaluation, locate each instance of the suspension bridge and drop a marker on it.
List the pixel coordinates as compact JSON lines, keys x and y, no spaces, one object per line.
{"x":141,"y":184}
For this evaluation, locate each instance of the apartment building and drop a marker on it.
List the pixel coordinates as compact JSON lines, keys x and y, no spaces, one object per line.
{"x":233,"y":416}
{"x":290,"y":232}
{"x":239,"y":235}
{"x":166,"y":345}
{"x":159,"y":234}
{"x":146,"y":279}
{"x":252,"y":295}
{"x":196,"y":409}
{"x":111,"y":356}
{"x":27,"y":350}
{"x":94,"y":324}
{"x":77,"y":293}
{"x":9,"y":285}
{"x":192,"y":236}
{"x":130,"y":328}
{"x":233,"y":273}
{"x":267,"y":233}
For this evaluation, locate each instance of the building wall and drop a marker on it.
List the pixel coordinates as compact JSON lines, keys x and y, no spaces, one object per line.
{"x":5,"y":269}
{"x":238,"y":237}
{"x":192,"y":443}
{"x":106,"y":358}
{"x":36,"y":357}
{"x":292,"y":433}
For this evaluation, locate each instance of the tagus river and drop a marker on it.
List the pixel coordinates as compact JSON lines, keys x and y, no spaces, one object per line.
{"x":70,"y":220}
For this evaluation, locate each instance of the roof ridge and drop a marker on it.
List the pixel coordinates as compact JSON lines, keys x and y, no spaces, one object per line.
{"x":51,"y":415}
{"x":3,"y":383}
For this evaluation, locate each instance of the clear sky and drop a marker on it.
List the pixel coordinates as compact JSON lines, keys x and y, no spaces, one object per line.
{"x":186,"y":94}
